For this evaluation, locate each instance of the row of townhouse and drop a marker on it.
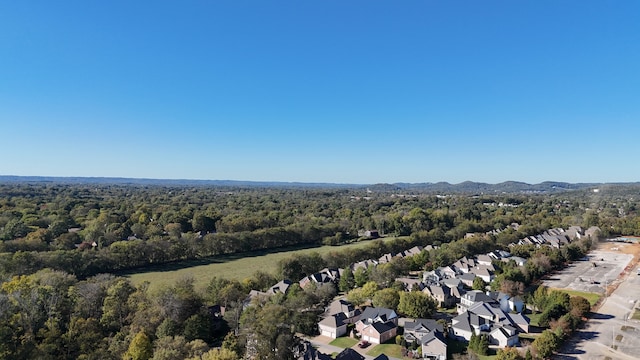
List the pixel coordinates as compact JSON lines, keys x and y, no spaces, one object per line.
{"x":447,"y":285}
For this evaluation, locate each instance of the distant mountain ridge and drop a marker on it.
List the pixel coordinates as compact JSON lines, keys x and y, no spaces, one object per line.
{"x":485,"y":188}
{"x":468,"y":187}
{"x":164,"y":182}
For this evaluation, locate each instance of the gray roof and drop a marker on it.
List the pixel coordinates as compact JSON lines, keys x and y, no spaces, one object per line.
{"x":519,"y":319}
{"x":382,"y":328}
{"x":381,"y":357}
{"x":281,"y":287}
{"x":382,"y":313}
{"x":423,"y":324}
{"x":349,"y":354}
{"x":477,"y":296}
{"x":432,"y":336}
{"x":334,"y":321}
{"x":340,"y":306}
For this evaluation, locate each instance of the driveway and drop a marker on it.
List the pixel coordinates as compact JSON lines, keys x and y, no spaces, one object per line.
{"x":322,"y":344}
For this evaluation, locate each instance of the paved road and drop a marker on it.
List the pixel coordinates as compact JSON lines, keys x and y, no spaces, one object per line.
{"x":610,"y":333}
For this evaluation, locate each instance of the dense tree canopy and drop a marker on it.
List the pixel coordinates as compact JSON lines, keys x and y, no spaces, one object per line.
{"x":61,"y":243}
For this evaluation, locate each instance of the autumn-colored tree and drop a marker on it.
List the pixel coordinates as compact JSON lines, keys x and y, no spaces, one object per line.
{"x":140,"y":348}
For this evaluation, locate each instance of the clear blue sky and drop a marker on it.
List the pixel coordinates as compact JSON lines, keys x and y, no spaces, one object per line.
{"x":322,"y":91}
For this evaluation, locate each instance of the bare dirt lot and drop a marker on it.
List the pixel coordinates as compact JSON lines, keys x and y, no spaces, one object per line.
{"x":593,"y":275}
{"x":611,"y":333}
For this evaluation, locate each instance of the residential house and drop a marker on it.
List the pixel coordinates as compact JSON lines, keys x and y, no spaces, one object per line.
{"x":508,"y":303}
{"x":410,"y":283}
{"x":447,"y":271}
{"x":379,"y":332}
{"x":373,"y":314}
{"x":341,"y":306}
{"x":349,"y":354}
{"x":441,"y":294}
{"x":333,"y":326}
{"x":377,"y":325}
{"x":434,"y":346}
{"x":411,"y":252}
{"x":489,"y":319}
{"x":386,"y":258}
{"x":280,"y":287}
{"x":363,"y":264}
{"x":453,"y":283}
{"x":467,"y":324}
{"x":433,"y":276}
{"x":467,"y":279}
{"x":483,"y":260}
{"x":484,"y":273}
{"x":457,"y":293}
{"x":332,"y":273}
{"x":254,"y":296}
{"x":305,"y":351}
{"x":464,"y":265}
{"x":318,"y":278}
{"x":520,"y":321}
{"x":517,"y":259}
{"x":499,"y":333}
{"x":472,"y":297}
{"x":415,"y":330}
{"x":503,"y":336}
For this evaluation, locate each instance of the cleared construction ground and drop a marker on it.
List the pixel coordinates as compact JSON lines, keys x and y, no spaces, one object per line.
{"x":612,"y":332}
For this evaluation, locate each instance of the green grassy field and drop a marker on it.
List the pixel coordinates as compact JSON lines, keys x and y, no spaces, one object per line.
{"x":528,"y":336}
{"x":344,"y":342}
{"x":235,"y":266}
{"x":391,"y":350}
{"x":592,"y":297}
{"x":535,"y":319}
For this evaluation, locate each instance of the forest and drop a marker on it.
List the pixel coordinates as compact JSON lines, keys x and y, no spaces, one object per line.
{"x":62,"y":244}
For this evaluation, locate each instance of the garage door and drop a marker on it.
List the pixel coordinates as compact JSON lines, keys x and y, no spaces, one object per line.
{"x":328,"y":333}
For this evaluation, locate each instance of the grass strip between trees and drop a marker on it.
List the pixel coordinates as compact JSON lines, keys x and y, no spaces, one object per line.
{"x":233,"y":266}
{"x":591,"y":297}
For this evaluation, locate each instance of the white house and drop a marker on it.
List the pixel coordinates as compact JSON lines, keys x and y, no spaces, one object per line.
{"x":333,"y":326}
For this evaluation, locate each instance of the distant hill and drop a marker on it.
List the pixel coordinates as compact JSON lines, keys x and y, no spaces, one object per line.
{"x":467,"y":187}
{"x":164,"y":182}
{"x":470,"y":187}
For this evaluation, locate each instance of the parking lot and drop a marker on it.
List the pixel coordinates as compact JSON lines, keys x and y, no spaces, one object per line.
{"x":611,"y":333}
{"x":593,"y":274}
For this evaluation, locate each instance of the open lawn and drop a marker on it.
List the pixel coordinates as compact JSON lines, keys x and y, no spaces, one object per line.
{"x":234,"y":266}
{"x":344,"y":342}
{"x":535,"y":319}
{"x":391,"y":350}
{"x":528,"y":336}
{"x":592,"y":297}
